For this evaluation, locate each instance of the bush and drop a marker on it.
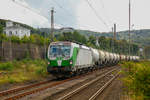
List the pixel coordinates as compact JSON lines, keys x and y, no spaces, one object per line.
{"x":6,"y":66}
{"x":15,"y":39}
{"x":34,"y":39}
{"x":41,"y":71}
{"x":138,"y":79}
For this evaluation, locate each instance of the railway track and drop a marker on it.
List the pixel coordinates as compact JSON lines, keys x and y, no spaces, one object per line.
{"x":19,"y":93}
{"x":100,"y":91}
{"x":92,"y":89}
{"x":11,"y":91}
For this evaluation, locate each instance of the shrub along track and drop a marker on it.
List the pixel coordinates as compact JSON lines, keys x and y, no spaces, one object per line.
{"x":18,"y":93}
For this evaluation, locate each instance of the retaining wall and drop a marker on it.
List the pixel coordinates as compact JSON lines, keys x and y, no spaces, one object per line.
{"x":11,"y":51}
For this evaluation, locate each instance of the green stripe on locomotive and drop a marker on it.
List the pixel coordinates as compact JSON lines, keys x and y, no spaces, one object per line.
{"x":74,"y":57}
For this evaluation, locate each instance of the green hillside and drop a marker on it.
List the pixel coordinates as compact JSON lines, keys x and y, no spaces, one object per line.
{"x":141,"y":37}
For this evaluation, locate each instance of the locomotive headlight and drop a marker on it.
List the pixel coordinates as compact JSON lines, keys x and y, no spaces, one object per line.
{"x":48,"y":63}
{"x":71,"y":62}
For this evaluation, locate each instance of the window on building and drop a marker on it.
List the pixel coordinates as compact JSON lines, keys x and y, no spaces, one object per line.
{"x":10,"y":33}
{"x":16,"y":32}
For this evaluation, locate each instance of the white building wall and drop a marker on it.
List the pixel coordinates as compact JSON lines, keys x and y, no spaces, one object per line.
{"x":20,"y":32}
{"x":16,"y":30}
{"x":9,"y":24}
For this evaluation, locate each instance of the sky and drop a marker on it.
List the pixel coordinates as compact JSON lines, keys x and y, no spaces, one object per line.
{"x":94,"y":15}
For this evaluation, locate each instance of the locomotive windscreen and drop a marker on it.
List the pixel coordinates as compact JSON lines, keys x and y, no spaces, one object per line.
{"x":60,"y":51}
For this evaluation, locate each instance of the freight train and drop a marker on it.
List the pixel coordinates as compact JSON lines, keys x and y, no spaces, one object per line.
{"x":68,"y":58}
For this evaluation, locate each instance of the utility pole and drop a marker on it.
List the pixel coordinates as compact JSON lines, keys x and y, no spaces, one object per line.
{"x":112,"y":40}
{"x":131,"y":39}
{"x":129,"y":24}
{"x":52,"y":24}
{"x":10,"y":49}
{"x":114,"y":31}
{"x":114,"y":35}
{"x":129,"y":29}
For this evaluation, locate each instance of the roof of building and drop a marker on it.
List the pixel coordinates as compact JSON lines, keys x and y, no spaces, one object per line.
{"x":67,"y":28}
{"x":16,"y":27}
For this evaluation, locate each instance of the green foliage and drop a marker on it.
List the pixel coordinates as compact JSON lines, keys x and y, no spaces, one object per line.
{"x":25,"y":39}
{"x":92,"y":40}
{"x":75,"y":36}
{"x":117,"y":46}
{"x":147,"y":52}
{"x":107,"y":44}
{"x":3,"y":37}
{"x":34,"y":39}
{"x":137,"y":79}
{"x":1,"y":29}
{"x":27,"y":55}
{"x":21,"y":71}
{"x":6,"y":66}
{"x":15,"y":39}
{"x":41,"y":71}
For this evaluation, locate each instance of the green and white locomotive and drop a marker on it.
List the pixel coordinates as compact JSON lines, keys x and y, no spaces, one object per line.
{"x":67,"y":58}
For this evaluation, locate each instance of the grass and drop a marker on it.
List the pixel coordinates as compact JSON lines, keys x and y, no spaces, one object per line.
{"x":6,"y":66}
{"x":137,"y":79}
{"x":21,"y":71}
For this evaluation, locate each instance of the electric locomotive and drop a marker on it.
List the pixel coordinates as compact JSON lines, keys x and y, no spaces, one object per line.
{"x":68,"y":58}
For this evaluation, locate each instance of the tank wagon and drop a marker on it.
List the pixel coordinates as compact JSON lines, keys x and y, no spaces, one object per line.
{"x":68,"y":58}
{"x":102,"y":58}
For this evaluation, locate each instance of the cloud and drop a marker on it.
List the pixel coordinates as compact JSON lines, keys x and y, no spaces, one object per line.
{"x":78,"y":14}
{"x":20,"y":11}
{"x":64,"y":10}
{"x":114,"y":11}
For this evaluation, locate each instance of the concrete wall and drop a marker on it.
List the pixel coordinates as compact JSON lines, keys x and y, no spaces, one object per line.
{"x":11,"y":51}
{"x":1,"y":51}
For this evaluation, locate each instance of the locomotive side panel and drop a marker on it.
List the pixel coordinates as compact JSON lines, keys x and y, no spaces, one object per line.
{"x":84,"y":58}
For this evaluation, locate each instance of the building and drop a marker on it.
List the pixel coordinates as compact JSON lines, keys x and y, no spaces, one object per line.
{"x":67,"y":29}
{"x":16,"y":30}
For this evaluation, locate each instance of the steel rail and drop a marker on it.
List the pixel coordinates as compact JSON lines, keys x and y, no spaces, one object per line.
{"x":10,"y":91}
{"x":37,"y":90}
{"x":83,"y":86}
{"x":100,"y":91}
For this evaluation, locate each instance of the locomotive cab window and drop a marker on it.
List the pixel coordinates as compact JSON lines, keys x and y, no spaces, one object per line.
{"x":60,"y":50}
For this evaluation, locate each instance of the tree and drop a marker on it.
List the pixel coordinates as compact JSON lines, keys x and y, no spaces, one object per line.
{"x":1,"y":29}
{"x":92,"y":40}
{"x":147,"y":52}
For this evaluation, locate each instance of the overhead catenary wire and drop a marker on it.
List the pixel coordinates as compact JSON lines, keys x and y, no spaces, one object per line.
{"x":34,"y":11}
{"x":62,"y":25}
{"x":101,"y":2}
{"x":29,"y":8}
{"x":67,"y":11}
{"x":62,"y":7}
{"x":105,"y":11}
{"x":97,"y":15}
